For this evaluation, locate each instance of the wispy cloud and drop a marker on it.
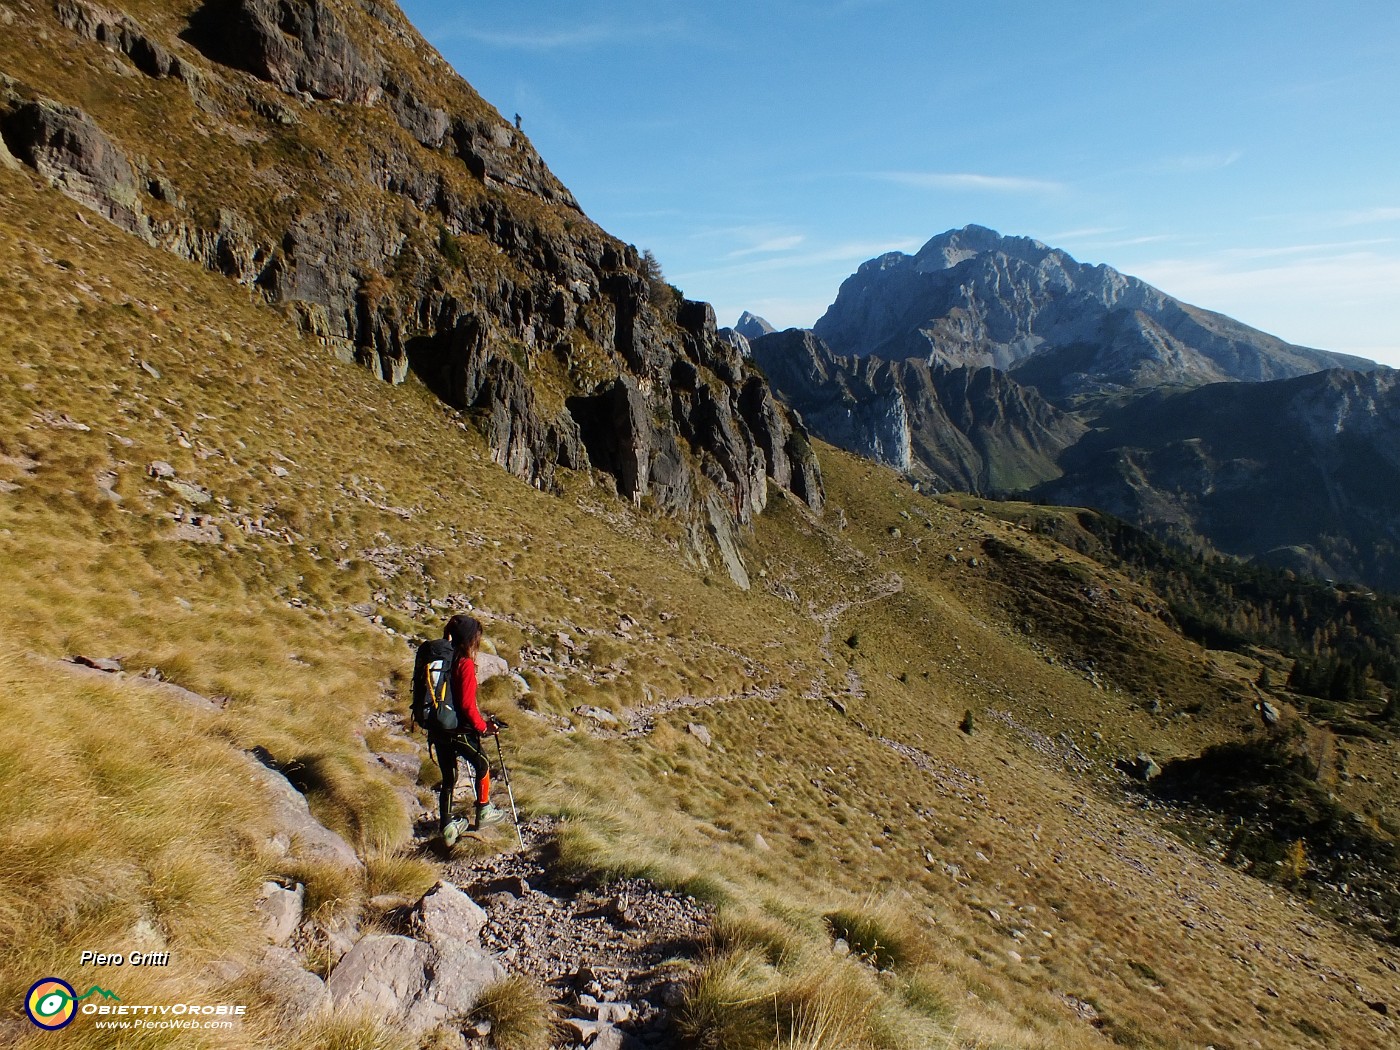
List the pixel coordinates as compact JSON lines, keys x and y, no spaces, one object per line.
{"x":849,"y":252}
{"x":939,"y":180}
{"x":1370,"y":216}
{"x":1079,"y":235}
{"x":1317,"y":250}
{"x":580,"y":37}
{"x":1131,"y":242}
{"x":1336,"y":297}
{"x":769,"y":246}
{"x":1191,"y":163}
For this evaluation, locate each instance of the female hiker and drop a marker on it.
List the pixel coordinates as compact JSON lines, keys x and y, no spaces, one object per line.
{"x":464,"y":632}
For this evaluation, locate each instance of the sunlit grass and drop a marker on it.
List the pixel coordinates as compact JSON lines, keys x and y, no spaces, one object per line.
{"x":908,"y":864}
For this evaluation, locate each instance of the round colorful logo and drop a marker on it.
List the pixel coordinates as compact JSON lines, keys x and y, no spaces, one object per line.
{"x":51,"y":1003}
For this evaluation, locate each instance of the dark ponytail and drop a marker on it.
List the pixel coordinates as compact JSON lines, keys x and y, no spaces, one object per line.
{"x":462,"y":630}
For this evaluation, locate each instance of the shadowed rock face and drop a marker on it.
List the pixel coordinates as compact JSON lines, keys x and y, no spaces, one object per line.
{"x":972,"y":297}
{"x":970,"y":429}
{"x":1302,"y":473}
{"x":298,"y":46}
{"x":407,"y":226}
{"x":64,"y":145}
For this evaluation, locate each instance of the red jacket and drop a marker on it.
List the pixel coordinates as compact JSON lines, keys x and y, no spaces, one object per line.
{"x":464,"y":687}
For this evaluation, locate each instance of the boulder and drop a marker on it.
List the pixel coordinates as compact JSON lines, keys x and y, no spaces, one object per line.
{"x":300,"y":995}
{"x":293,"y":818}
{"x":281,"y":910}
{"x":609,"y":1037}
{"x":447,"y":916}
{"x":383,"y":974}
{"x":1141,"y":767}
{"x":413,"y":983}
{"x":489,"y":666}
{"x":699,"y":732}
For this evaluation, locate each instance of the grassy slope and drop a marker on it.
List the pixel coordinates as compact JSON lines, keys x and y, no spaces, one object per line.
{"x":986,"y":846}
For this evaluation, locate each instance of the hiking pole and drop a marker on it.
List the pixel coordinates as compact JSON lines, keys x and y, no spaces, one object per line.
{"x":505,"y":773}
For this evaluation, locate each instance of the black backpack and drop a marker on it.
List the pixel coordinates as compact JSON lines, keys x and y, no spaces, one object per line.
{"x":434,"y":703}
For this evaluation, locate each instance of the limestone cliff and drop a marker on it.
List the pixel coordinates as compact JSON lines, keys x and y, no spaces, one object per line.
{"x":322,"y":154}
{"x":968,"y":429}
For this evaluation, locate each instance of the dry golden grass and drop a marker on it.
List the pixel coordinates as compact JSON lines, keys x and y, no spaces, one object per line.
{"x":520,"y":1014}
{"x":1030,"y":886}
{"x":128,"y":826}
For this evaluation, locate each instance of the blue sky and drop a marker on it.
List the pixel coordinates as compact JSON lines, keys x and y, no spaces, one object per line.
{"x":1241,"y":155}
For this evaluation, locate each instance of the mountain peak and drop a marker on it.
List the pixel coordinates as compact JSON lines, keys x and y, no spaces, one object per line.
{"x":972,"y":296}
{"x":751,"y":326}
{"x":952,"y":247}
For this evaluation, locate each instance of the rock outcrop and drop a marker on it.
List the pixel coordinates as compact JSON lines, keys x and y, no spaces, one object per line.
{"x":297,"y":46}
{"x":66,"y":147}
{"x":420,"y":982}
{"x":396,"y":217}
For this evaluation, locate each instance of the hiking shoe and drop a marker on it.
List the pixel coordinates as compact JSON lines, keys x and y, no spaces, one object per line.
{"x":488,"y":814}
{"x":451,"y":833}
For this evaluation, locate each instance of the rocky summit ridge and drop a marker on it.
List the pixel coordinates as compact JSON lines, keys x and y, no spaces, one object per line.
{"x":974,"y":297}
{"x":323,"y":155}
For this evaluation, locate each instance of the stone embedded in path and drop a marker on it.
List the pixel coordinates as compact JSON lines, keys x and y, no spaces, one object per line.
{"x":420,"y":983}
{"x":446,"y":915}
{"x":597,"y":714}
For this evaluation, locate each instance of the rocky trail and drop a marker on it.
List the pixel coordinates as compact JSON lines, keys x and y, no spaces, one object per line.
{"x":610,"y":958}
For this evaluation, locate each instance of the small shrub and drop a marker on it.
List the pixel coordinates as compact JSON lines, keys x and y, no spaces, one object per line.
{"x":519,"y":1013}
{"x":728,"y":1005}
{"x":398,"y":873}
{"x":450,"y":249}
{"x":331,"y":889}
{"x":352,"y":1032}
{"x":777,"y":941}
{"x":881,"y":933}
{"x":1294,"y":864}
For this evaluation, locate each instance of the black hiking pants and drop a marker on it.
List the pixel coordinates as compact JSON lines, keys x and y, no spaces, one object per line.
{"x":448,"y":749}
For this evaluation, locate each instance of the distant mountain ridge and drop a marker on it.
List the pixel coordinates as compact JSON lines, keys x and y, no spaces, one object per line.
{"x":972,"y":297}
{"x":1301,"y":473}
{"x":1000,"y":366}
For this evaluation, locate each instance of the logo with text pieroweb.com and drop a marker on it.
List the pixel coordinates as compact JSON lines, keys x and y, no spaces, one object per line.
{"x":52,"y":1003}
